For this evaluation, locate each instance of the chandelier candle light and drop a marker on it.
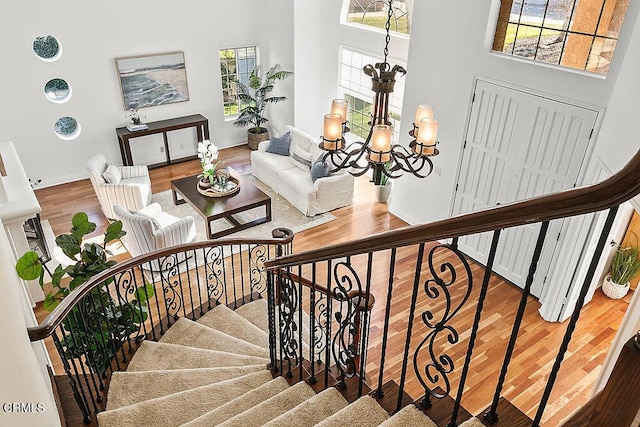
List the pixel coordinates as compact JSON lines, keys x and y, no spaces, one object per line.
{"x":383,"y":157}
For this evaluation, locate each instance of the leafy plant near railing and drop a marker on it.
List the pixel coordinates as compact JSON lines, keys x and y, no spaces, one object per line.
{"x":625,"y":263}
{"x":98,"y":325}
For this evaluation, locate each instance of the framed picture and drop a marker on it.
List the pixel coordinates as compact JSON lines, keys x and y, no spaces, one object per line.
{"x":148,"y":80}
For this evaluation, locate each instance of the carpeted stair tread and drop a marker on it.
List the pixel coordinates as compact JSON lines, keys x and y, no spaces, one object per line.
{"x":240,"y":404}
{"x":179,"y":408}
{"x":409,"y":416}
{"x":312,"y":411}
{"x":256,"y":313}
{"x":364,"y":412}
{"x":272,"y":407}
{"x":127,"y":388}
{"x":472,"y":422}
{"x":228,"y":321}
{"x":155,"y":356}
{"x":191,"y":334}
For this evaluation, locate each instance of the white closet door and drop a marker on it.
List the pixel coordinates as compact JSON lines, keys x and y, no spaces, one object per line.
{"x":542,"y":149}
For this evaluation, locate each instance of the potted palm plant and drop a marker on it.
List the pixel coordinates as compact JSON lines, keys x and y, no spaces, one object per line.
{"x":624,"y":266}
{"x":383,"y":189}
{"x":254,"y":98}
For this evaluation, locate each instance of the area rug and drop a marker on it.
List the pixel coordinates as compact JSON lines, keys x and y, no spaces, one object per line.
{"x":283,"y":214}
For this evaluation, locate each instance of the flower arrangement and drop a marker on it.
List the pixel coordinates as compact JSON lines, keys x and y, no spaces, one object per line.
{"x":134,"y":116}
{"x":208,"y":154}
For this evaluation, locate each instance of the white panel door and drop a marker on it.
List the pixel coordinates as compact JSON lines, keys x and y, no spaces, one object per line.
{"x":547,"y":143}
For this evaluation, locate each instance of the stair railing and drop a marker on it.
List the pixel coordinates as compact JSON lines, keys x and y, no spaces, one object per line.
{"x":98,"y":327}
{"x":441,"y":285}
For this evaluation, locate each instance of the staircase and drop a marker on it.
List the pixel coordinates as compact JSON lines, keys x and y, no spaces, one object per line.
{"x":214,"y":372}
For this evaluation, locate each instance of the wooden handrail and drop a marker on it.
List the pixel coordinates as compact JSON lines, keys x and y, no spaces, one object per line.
{"x":282,"y":236}
{"x":619,"y":188}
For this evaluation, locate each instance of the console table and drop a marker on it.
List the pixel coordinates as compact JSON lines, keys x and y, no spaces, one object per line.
{"x":197,"y":121}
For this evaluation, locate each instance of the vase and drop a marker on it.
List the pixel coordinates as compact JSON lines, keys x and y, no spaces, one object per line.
{"x":382,"y":193}
{"x":204,"y":184}
{"x":254,"y":139}
{"x":614,"y":290}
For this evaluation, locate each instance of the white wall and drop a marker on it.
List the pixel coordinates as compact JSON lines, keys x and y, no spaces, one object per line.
{"x":92,"y":34}
{"x":450,"y":44}
{"x":24,"y":379}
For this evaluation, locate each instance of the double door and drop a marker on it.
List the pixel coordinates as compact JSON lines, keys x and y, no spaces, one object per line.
{"x":519,"y":145}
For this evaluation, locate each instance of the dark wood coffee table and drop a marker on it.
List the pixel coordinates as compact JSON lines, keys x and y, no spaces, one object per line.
{"x":214,"y":208}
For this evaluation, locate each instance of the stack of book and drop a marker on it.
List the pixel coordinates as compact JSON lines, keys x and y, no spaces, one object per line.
{"x":134,"y":128}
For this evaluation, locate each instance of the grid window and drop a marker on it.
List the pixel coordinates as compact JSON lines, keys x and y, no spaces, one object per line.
{"x":580,"y":34}
{"x":374,"y":13}
{"x":235,"y":65}
{"x":356,"y":86}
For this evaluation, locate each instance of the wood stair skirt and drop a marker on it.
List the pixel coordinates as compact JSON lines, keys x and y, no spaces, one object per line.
{"x":214,"y":372}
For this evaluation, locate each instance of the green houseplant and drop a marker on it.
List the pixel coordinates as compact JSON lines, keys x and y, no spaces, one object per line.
{"x":99,"y":324}
{"x":624,"y":266}
{"x":254,"y":98}
{"x":383,"y":189}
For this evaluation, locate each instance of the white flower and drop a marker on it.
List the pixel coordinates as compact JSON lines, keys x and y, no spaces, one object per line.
{"x":203,"y":147}
{"x":207,"y":167}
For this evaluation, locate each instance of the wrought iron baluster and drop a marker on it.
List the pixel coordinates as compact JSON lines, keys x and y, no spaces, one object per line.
{"x":196,"y":270}
{"x":233,"y":279}
{"x":189,"y":287}
{"x":492,"y":416}
{"x":300,"y":328}
{"x":312,"y":324}
{"x":73,"y":357}
{"x":78,"y":392}
{"x":143,"y":326}
{"x":240,"y":256}
{"x":414,"y":299}
{"x":364,"y":323}
{"x":328,"y":350}
{"x":271,"y":308}
{"x":575,"y":315}
{"x":476,"y":325}
{"x":385,"y":330}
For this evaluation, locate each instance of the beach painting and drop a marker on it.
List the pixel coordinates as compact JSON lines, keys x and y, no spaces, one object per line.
{"x":149,"y":80}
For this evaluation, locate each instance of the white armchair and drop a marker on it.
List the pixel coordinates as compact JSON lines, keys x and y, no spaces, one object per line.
{"x":150,"y":228}
{"x":130,"y":186}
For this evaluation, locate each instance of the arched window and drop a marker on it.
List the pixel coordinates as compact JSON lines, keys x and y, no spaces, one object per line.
{"x":373,"y":13}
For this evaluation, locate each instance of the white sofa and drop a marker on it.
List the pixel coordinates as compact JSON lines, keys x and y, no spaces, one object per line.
{"x":294,"y":183}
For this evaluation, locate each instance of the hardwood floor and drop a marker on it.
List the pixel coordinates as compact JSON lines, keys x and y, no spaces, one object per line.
{"x":538,"y":340}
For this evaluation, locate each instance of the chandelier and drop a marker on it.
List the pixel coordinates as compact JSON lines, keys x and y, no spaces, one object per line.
{"x":377,"y":152}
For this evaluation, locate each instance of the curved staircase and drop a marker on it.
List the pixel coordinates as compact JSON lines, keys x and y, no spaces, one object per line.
{"x":214,"y":372}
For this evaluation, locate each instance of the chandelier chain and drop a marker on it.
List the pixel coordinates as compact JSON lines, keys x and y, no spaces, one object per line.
{"x":387,"y":27}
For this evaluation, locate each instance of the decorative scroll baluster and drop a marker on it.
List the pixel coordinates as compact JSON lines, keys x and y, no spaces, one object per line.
{"x":347,"y":290}
{"x":257,"y":257}
{"x":327,"y":348}
{"x":312,"y":325}
{"x":300,"y":328}
{"x":233,"y":279}
{"x":492,"y":416}
{"x":476,"y":325}
{"x":444,"y":280}
{"x":271,"y":312}
{"x":385,"y":331}
{"x":412,"y":310}
{"x":575,"y":315}
{"x":289,"y":298}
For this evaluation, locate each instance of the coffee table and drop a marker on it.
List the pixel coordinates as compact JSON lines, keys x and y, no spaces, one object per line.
{"x":215,"y":208}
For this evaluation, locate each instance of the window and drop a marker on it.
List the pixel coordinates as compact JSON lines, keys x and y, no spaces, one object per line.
{"x":356,"y":87}
{"x":580,"y":34}
{"x":57,"y":90}
{"x":235,"y":64}
{"x":67,"y":128}
{"x":374,"y":13}
{"x":47,"y":48}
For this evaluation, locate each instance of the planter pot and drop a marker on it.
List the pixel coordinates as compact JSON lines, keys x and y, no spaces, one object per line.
{"x":614,"y":290}
{"x":382,"y":193}
{"x":253,"y":139}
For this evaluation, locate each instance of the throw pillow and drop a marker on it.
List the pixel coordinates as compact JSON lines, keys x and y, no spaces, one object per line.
{"x":280,"y":145}
{"x":301,"y":158}
{"x":154,"y":222}
{"x":112,"y":175}
{"x":319,"y":170}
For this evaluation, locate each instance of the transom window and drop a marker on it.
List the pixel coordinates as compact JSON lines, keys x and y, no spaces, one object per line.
{"x":373,"y":13}
{"x":356,"y":88}
{"x":235,"y":65}
{"x":580,"y":34}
